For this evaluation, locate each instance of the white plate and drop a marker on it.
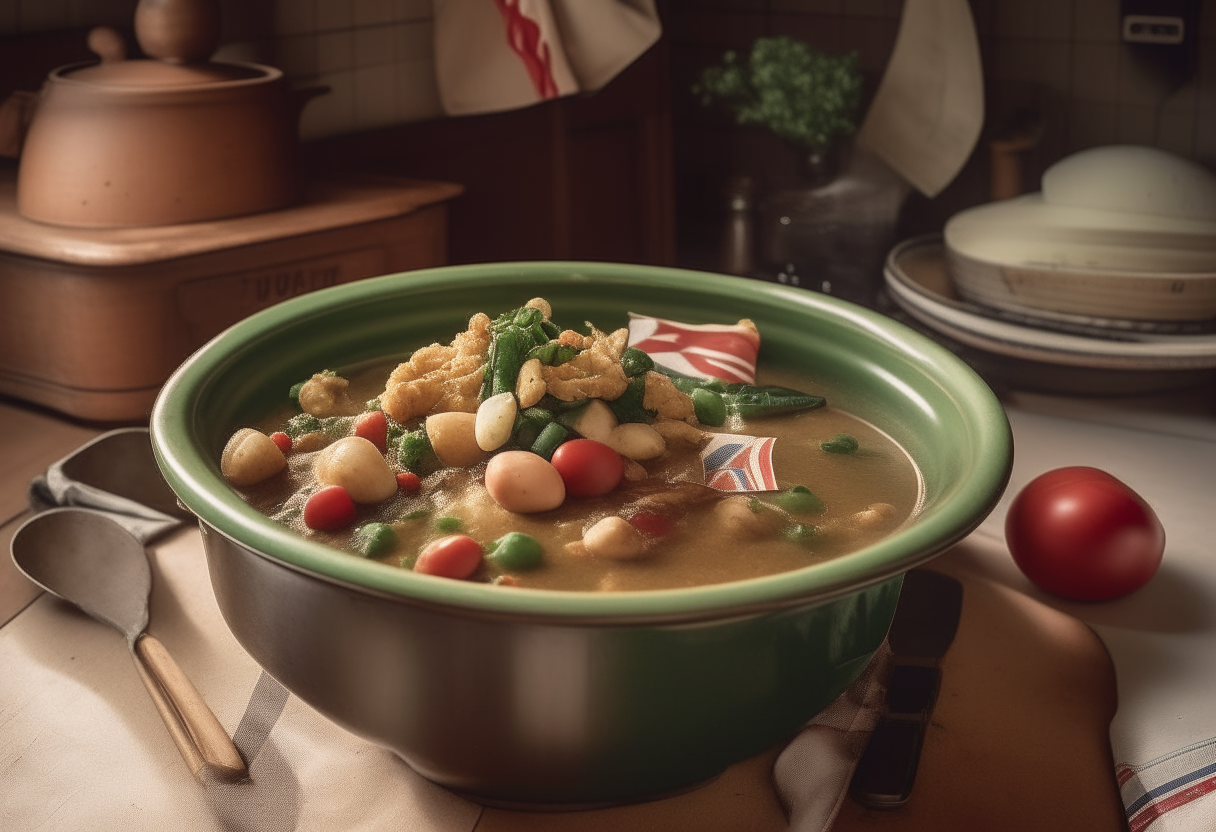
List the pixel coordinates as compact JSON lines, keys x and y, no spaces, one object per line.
{"x":918,"y":281}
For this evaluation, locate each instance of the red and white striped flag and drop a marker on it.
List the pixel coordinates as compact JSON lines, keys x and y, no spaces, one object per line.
{"x":722,"y":351}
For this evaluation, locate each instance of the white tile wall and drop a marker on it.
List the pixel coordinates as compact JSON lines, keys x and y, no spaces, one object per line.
{"x":374,"y":55}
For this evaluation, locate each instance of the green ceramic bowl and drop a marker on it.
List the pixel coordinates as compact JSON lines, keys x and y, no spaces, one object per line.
{"x":528,"y":697}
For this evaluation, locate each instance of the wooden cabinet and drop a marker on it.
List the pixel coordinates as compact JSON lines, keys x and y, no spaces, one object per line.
{"x":586,"y":177}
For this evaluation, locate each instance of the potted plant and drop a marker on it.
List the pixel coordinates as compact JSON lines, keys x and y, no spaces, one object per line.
{"x":807,"y":98}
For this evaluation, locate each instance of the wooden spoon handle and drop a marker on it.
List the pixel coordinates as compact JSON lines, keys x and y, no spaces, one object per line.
{"x":197,"y":733}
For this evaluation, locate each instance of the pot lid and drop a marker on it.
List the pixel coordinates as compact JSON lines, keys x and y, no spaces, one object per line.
{"x":151,"y":73}
{"x":178,"y":36}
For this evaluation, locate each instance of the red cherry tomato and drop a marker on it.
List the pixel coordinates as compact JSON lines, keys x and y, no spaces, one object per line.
{"x":373,"y":426}
{"x":408,"y":481}
{"x":588,"y":468}
{"x":329,"y":509}
{"x":1081,"y":534}
{"x":454,"y":556}
{"x":653,"y":524}
{"x":282,"y":440}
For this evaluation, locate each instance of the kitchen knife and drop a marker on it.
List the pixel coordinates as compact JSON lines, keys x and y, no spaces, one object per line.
{"x":923,"y":628}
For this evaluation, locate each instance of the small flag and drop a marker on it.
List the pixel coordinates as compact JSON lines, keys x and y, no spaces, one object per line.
{"x":739,"y":463}
{"x":721,"y":351}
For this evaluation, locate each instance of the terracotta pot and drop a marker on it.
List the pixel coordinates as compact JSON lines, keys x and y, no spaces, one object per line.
{"x":133,"y":143}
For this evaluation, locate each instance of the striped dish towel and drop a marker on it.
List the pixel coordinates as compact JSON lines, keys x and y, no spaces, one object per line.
{"x":1168,"y":788}
{"x":494,"y":55}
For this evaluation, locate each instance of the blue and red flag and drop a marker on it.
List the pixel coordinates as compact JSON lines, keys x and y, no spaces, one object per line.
{"x":739,"y":463}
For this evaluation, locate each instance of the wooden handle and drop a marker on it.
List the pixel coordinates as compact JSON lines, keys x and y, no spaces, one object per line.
{"x":199,"y":736}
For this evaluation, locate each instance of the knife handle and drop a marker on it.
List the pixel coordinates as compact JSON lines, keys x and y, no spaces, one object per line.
{"x":887,"y":769}
{"x":199,"y":736}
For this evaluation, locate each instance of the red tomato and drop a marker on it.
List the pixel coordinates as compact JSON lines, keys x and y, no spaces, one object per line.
{"x":588,"y":468}
{"x":650,"y":523}
{"x":282,"y":440}
{"x":329,"y":509}
{"x":408,"y":481}
{"x":1081,"y":534}
{"x":373,"y":426}
{"x":454,"y":556}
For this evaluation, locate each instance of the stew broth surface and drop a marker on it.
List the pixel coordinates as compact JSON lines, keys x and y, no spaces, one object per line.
{"x":704,"y":545}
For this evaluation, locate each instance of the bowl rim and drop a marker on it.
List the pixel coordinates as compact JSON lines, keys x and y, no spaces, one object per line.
{"x":196,"y":480}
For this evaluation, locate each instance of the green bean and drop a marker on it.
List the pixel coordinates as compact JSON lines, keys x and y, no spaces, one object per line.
{"x":629,"y":406}
{"x":552,"y":353}
{"x":635,"y":362}
{"x":748,"y":401}
{"x":553,"y":435}
{"x":529,"y":422}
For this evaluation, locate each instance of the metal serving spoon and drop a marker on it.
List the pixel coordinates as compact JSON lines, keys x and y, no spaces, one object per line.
{"x":90,"y":560}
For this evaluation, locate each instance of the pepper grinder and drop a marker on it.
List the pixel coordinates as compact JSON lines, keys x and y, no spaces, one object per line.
{"x":738,"y":235}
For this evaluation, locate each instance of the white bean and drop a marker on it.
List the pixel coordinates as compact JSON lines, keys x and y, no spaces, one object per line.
{"x":251,"y":457}
{"x":615,"y":539}
{"x":596,"y":421}
{"x":741,"y":519}
{"x":358,"y":466}
{"x":524,"y":482}
{"x":495,"y":420}
{"x":636,"y":440}
{"x":454,"y":439}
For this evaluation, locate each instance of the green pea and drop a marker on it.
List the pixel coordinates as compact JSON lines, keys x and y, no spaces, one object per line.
{"x":449,"y":525}
{"x":709,"y":407}
{"x":416,"y":514}
{"x":413,"y":448}
{"x":800,"y":533}
{"x":800,"y":500}
{"x":841,"y":443}
{"x":515,"y":552}
{"x":373,"y":540}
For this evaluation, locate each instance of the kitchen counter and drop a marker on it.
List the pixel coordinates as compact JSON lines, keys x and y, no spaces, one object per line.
{"x":1020,"y":738}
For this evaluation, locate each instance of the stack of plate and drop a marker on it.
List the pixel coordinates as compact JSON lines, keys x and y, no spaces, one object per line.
{"x":1039,"y":349}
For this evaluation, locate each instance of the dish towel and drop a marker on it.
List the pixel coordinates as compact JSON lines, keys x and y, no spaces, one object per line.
{"x":506,"y":54}
{"x":1162,"y":638}
{"x":74,"y":710}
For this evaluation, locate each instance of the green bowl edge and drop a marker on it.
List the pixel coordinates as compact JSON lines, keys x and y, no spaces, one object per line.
{"x":195,"y":478}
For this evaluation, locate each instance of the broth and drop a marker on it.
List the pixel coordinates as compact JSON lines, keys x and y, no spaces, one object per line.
{"x":700,"y":547}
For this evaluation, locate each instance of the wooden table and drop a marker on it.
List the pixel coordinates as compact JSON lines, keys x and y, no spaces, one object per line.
{"x":1019,"y":739}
